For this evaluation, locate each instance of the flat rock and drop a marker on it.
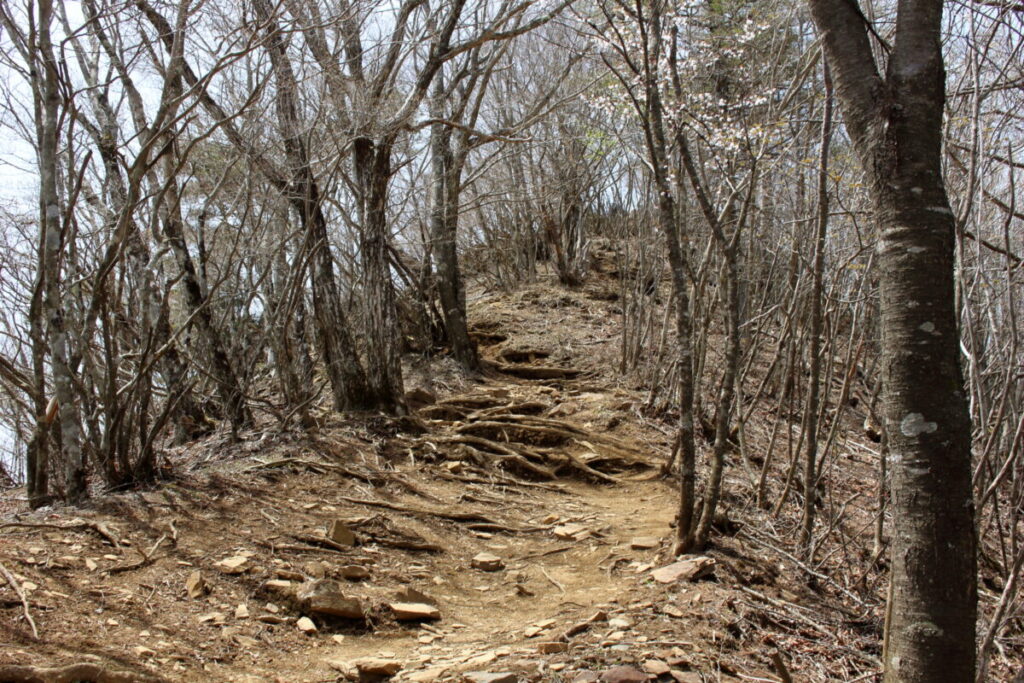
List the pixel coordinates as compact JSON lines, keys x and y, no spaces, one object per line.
{"x":644,"y":542}
{"x":339,"y":532}
{"x":673,"y":611}
{"x":247,"y":642}
{"x":315,"y":568}
{"x":278,"y":588}
{"x":354,"y":572}
{"x":270,"y":619}
{"x":656,"y":667}
{"x":324,"y":596}
{"x":239,"y":564}
{"x":377,"y":666}
{"x":587,"y":677}
{"x":488,"y":562}
{"x":582,"y":626}
{"x":306,"y":625}
{"x":215,"y":618}
{"x":478,"y":661}
{"x":485,"y":677}
{"x":623,"y":674}
{"x":685,"y":570}
{"x":686,"y":676}
{"x":620,"y":623}
{"x":414,"y":611}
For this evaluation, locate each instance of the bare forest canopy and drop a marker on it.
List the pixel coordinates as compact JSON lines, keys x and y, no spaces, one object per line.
{"x":247,"y":216}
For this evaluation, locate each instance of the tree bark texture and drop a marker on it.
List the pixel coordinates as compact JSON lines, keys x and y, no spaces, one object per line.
{"x":895,"y":122}
{"x":53,"y":240}
{"x":372,"y":164}
{"x":348,"y":379}
{"x":444,"y":221}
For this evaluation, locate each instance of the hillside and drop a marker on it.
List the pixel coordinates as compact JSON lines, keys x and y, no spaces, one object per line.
{"x":516,"y":527}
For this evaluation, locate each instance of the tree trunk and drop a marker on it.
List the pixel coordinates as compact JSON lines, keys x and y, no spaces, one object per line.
{"x":60,"y":366}
{"x":934,"y":595}
{"x":287,"y":336}
{"x":229,"y":385}
{"x":657,"y":148}
{"x":811,"y":414}
{"x":37,"y":451}
{"x":372,"y":163}
{"x":729,"y":288}
{"x":444,"y":217}
{"x":348,"y":379}
{"x":895,"y":123}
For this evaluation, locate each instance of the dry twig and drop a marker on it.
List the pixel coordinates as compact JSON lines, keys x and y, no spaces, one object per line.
{"x":13,"y":582}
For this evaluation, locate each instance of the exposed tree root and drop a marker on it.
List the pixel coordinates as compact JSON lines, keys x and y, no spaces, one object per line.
{"x":538,"y":372}
{"x":75,"y":673}
{"x":519,"y":458}
{"x":512,"y":435}
{"x":492,"y":478}
{"x":374,"y":478}
{"x":473,"y":520}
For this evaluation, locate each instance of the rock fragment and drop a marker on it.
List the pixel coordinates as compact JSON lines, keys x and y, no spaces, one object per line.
{"x":623,"y":674}
{"x":339,"y":532}
{"x":238,"y":564}
{"x":685,"y":570}
{"x":487,"y":562}
{"x":377,"y":666}
{"x":195,"y":585}
{"x":644,"y":543}
{"x":486,"y":677}
{"x":324,"y":596}
{"x":414,"y":611}
{"x":656,"y":667}
{"x":354,"y":572}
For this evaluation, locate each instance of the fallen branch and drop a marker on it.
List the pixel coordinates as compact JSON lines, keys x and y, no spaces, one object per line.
{"x":76,"y":525}
{"x":550,"y":578}
{"x":147,"y":558}
{"x":780,"y":668}
{"x":24,"y":604}
{"x":321,"y":541}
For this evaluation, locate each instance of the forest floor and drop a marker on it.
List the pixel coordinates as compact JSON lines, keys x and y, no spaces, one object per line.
{"x":516,"y":527}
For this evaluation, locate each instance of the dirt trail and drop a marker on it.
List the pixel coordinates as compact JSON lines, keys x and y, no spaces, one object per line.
{"x":547,"y":462}
{"x":486,"y":617}
{"x":566,"y":556}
